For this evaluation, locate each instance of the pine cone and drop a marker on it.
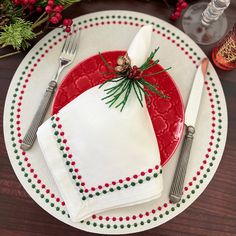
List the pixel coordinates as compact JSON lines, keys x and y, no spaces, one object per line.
{"x":4,"y":19}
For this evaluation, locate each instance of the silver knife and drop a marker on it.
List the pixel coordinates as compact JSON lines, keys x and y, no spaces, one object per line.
{"x":191,"y":113}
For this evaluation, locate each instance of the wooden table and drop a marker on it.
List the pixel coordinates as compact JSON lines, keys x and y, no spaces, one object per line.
{"x":213,"y":213}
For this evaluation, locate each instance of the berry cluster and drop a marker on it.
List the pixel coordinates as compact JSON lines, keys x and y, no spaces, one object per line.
{"x":52,"y":9}
{"x":180,"y":6}
{"x":135,"y":73}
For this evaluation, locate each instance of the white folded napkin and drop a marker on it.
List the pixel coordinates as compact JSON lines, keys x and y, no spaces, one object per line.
{"x":99,"y":157}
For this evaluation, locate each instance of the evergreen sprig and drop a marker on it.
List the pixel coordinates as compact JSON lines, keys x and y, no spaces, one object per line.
{"x":118,"y":93}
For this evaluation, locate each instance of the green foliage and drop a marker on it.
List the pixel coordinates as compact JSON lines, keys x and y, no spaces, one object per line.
{"x":17,"y":34}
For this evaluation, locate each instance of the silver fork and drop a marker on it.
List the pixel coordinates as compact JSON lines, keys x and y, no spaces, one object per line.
{"x":67,"y":55}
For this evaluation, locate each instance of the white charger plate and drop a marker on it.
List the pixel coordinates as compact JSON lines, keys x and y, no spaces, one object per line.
{"x":104,"y":31}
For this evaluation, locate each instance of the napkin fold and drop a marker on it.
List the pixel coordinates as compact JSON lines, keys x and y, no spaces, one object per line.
{"x":101,"y":158}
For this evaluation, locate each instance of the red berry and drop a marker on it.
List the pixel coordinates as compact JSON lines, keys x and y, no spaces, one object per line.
{"x":39,"y":9}
{"x":184,"y":5}
{"x":58,"y":16}
{"x":50,"y":3}
{"x":180,"y":1}
{"x":173,"y":17}
{"x":65,"y":22}
{"x":25,"y":2}
{"x":62,"y":8}
{"x":177,"y":14}
{"x":68,"y":29}
{"x":48,"y":9}
{"x":54,"y":20}
{"x":30,"y":7}
{"x":69,"y":22}
{"x":32,"y":2}
{"x":17,"y":2}
{"x":57,"y":9}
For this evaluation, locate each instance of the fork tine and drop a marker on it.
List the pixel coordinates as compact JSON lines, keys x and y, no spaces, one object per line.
{"x":65,"y":46}
{"x":71,"y":43}
{"x":75,"y":44}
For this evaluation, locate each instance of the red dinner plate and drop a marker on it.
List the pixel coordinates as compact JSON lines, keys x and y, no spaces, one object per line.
{"x":167,"y":115}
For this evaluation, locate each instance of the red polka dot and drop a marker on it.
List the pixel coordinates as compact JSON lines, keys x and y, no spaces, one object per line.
{"x":94,"y":216}
{"x":31,"y":170}
{"x":18,"y":128}
{"x":26,"y":159}
{"x":58,"y":199}
{"x":52,"y":195}
{"x":76,"y":170}
{"x":142,"y":173}
{"x":114,"y":22}
{"x":38,"y":60}
{"x":204,"y":162}
{"x":194,"y":178}
{"x":209,"y":150}
{"x":186,"y":53}
{"x":72,"y":163}
{"x":47,"y":191}
{"x":39,"y":181}
{"x":97,"y":24}
{"x":100,"y":217}
{"x":134,"y":217}
{"x":168,"y":37}
{"x":64,"y":141}
{"x":212,"y":137}
{"x":128,"y":178}
{"x":149,"y":170}
{"x":19,"y":134}
{"x":82,"y":184}
{"x":127,"y":218}
{"x":67,"y":148}
{"x":153,"y":211}
{"x":190,"y":57}
{"x":86,"y":190}
{"x":201,"y":167}
{"x":198,"y":173}
{"x":107,"y":218}
{"x":59,"y":126}
{"x":147,"y":213}
{"x":99,"y":187}
{"x":31,"y":70}
{"x":106,"y":185}
{"x":62,"y":133}
{"x":91,"y":25}
{"x":120,"y":181}
{"x":173,"y":41}
{"x":79,"y":177}
{"x":177,"y":45}
{"x":190,"y":183}
{"x":135,"y":176}
{"x":113,"y":183}
{"x":165,"y":205}
{"x":120,"y":218}
{"x":57,"y":118}
{"x":131,"y":23}
{"x":137,"y":24}
{"x":207,"y":155}
{"x":156,"y":167}
{"x":185,"y":188}
{"x":63,"y":203}
{"x":35,"y":176}
{"x":93,"y":189}
{"x":108,"y":22}
{"x":114,"y":218}
{"x":28,"y":164}
{"x":70,"y":155}
{"x":159,"y":208}
{"x":43,"y":186}
{"x":213,"y":131}
{"x":55,"y":43}
{"x":23,"y":153}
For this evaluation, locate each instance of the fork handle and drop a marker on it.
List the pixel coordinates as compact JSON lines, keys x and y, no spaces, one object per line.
{"x":176,"y":190}
{"x":30,"y":136}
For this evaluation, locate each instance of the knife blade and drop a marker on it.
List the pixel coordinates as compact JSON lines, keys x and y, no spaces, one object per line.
{"x":191,"y":113}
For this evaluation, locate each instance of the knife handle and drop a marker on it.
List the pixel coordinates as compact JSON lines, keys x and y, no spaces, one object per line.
{"x":30,"y":136}
{"x":176,"y":190}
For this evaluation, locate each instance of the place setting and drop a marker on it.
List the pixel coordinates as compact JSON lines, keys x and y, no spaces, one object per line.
{"x":117,"y":126}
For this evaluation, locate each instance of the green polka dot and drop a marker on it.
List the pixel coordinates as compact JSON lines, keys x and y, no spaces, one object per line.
{"x":115,"y":226}
{"x":74,"y":177}
{"x":128,"y":225}
{"x":52,"y":204}
{"x":42,"y":195}
{"x":193,"y":191}
{"x":135,"y":224}
{"x":118,"y":188}
{"x":63,"y":212}
{"x":133,"y":183}
{"x":211,"y":164}
{"x":77,"y":184}
{"x":113,"y":17}
{"x":57,"y":208}
{"x":104,"y":191}
{"x":155,"y":175}
{"x":90,"y":195}
{"x":107,"y":17}
{"x":97,"y":193}
{"x":201,"y":181}
{"x":197,"y":186}
{"x":22,"y":169}
{"x":64,"y":155}
{"x":29,"y":180}
{"x":111,"y":189}
{"x":108,"y":226}
{"x":160,"y":171}
{"x":178,"y":205}
{"x":157,"y":25}
{"x":88,"y":223}
{"x":161,"y":216}
{"x":167,"y":212}
{"x":208,"y":170}
{"x":19,"y":163}
{"x":26,"y":175}
{"x":81,"y":190}
{"x":141,"y":223}
{"x":101,"y":225}
{"x":53,"y":125}
{"x":83,"y":198}
{"x":56,"y":133}
{"x":62,"y":148}
{"x":140,"y":181}
{"x":154,"y":218}
{"x":172,"y":209}
{"x":148,"y":178}
{"x":33,"y":185}
{"x":85,"y":21}
{"x":59,"y":140}
{"x":188,"y":196}
{"x":130,"y":17}
{"x":71,"y":170}
{"x":126,"y":185}
{"x":37,"y":191}
{"x":213,"y":158}
{"x":17,"y":157}
{"x":90,"y":19}
{"x":47,"y":200}
{"x":67,"y":162}
{"x":148,"y":221}
{"x":183,"y":200}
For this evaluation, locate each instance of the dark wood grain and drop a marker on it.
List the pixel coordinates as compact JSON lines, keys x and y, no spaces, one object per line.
{"x":213,"y":213}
